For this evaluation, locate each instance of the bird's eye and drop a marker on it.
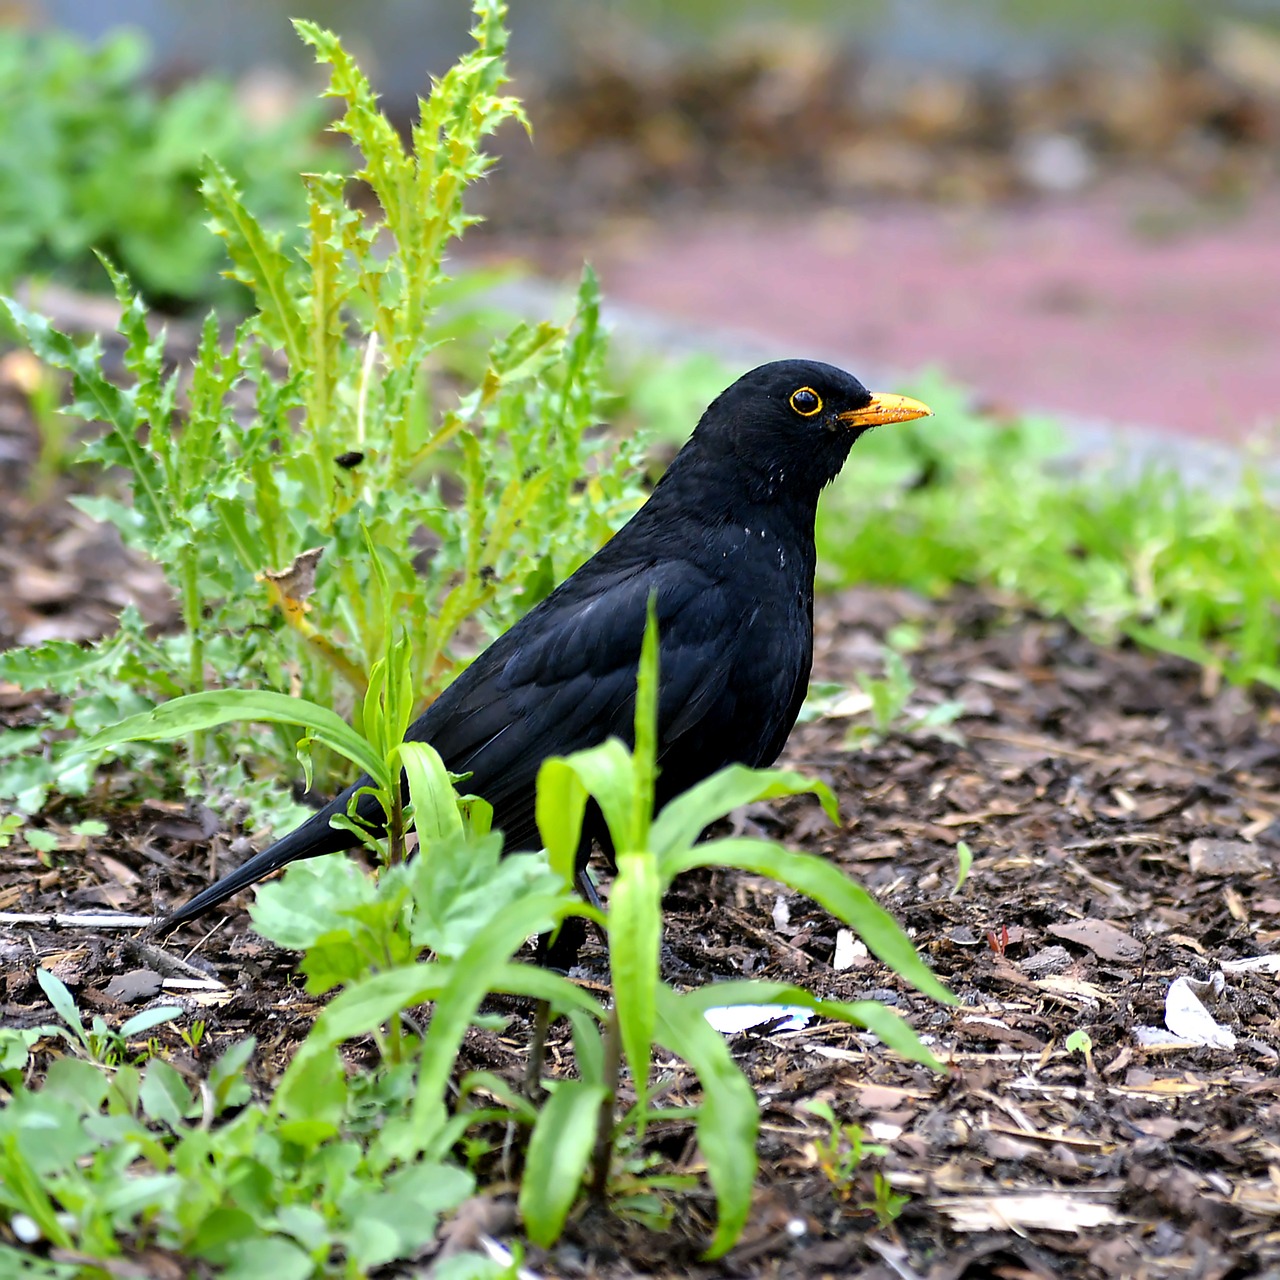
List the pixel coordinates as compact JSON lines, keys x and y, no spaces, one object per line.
{"x":806,"y":402}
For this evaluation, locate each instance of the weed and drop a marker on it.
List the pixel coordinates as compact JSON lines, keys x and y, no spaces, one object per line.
{"x":98,"y":1043}
{"x":842,"y":1149}
{"x":889,"y":707}
{"x":325,"y":444}
{"x":473,"y":910}
{"x":964,"y":863}
{"x":886,"y":1203}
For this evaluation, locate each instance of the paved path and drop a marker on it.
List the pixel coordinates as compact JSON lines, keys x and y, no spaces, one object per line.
{"x":1061,"y":308}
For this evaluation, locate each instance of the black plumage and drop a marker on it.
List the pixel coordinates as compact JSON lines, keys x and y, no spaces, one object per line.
{"x":725,"y":544}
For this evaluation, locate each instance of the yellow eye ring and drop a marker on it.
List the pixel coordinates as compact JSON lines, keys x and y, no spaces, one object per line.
{"x":806,"y":401}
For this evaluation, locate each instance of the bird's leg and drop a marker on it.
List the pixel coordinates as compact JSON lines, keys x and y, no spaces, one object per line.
{"x":561,"y":955}
{"x":587,"y":887}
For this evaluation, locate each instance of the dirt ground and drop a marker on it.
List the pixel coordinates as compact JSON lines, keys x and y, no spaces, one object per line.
{"x":1123,"y":819}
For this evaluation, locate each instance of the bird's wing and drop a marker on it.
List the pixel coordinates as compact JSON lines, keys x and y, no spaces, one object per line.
{"x":564,"y":678}
{"x":561,"y":679}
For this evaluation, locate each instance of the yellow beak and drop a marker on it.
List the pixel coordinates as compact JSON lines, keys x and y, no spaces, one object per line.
{"x":886,"y":408}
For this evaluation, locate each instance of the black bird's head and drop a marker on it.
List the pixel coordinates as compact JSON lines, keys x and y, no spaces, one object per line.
{"x":789,"y":425}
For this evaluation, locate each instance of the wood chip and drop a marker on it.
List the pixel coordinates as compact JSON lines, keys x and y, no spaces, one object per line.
{"x":1101,"y":937}
{"x":1027,"y":1212}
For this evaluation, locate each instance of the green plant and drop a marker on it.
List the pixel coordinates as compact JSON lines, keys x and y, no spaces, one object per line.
{"x":1081,"y":1042}
{"x":890,"y":707}
{"x":886,"y":1203}
{"x":1189,"y":570}
{"x":98,"y":1042}
{"x":193,"y":1035}
{"x":964,"y":863}
{"x":841,"y":1152}
{"x":92,"y":158}
{"x":367,"y":481}
{"x":474,"y":910}
{"x":842,"y":1149}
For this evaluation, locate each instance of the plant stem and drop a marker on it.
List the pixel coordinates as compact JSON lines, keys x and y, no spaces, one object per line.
{"x":192,"y":618}
{"x":603,"y":1158}
{"x":395,"y":852}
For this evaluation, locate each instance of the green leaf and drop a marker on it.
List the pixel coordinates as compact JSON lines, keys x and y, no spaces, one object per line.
{"x":259,"y":1256}
{"x":149,"y":1018}
{"x":728,"y":1119}
{"x":25,"y":1190}
{"x":635,"y":936}
{"x":516,"y":978}
{"x":226,"y":1076}
{"x":361,"y":1008}
{"x":683,"y":819}
{"x":319,"y":1092}
{"x":460,"y":888}
{"x":558,"y":1157}
{"x":888,"y":1026}
{"x":260,"y":263}
{"x":644,"y":757}
{"x":470,"y":978}
{"x":826,"y":885}
{"x":313,"y":898}
{"x":561,"y":802}
{"x":208,"y":710}
{"x":164,"y":1095}
{"x":40,"y":840}
{"x":63,"y":1003}
{"x":397,"y":1218}
{"x":605,"y":772}
{"x":59,"y":665}
{"x":435,"y":802}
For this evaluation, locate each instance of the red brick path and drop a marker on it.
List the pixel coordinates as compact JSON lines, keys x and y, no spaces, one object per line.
{"x":1057,"y":308}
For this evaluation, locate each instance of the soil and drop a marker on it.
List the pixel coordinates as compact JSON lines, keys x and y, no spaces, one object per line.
{"x":1124,"y":820}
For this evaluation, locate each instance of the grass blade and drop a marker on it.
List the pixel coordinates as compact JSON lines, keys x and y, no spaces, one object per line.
{"x":825,"y":884}
{"x":728,"y":1120}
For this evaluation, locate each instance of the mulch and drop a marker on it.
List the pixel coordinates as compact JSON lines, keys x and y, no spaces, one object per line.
{"x":1123,"y":815}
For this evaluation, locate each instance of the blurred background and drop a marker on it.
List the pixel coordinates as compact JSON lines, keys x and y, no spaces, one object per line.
{"x":1068,"y":206}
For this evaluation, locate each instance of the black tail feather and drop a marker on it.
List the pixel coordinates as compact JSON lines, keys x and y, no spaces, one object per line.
{"x":313,"y":838}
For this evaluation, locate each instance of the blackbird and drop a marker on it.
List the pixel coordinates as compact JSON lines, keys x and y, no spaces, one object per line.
{"x":725,"y":545}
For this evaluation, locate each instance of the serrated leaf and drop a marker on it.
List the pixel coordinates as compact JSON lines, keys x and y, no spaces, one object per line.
{"x":260,"y":262}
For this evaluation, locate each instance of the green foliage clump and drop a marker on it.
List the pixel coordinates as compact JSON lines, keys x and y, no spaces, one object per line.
{"x":323,"y":468}
{"x":91,"y":158}
{"x":1150,"y":557}
{"x":334,"y":1160}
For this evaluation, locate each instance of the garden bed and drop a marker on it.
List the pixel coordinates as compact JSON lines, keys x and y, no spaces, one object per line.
{"x":1122,"y":818}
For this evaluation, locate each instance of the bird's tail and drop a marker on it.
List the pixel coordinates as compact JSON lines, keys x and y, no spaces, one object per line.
{"x":313,"y":838}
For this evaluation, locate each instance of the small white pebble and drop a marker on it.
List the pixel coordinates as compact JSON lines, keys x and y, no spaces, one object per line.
{"x":848,"y":950}
{"x":24,"y":1228}
{"x":781,"y":913}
